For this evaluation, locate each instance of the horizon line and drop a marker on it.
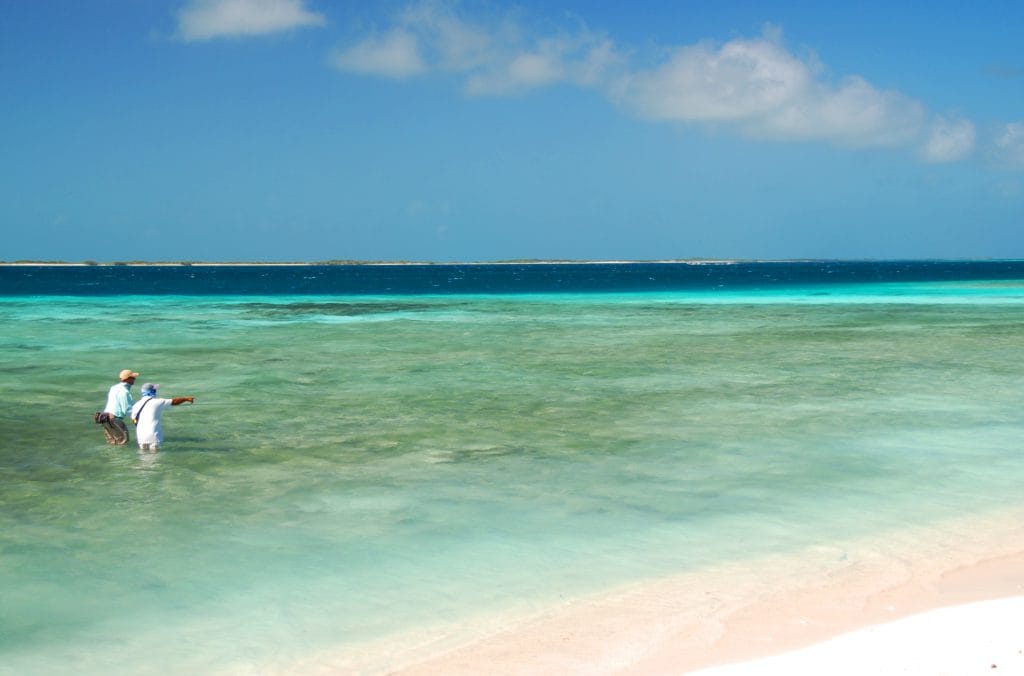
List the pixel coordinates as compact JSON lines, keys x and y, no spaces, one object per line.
{"x":516,"y":261}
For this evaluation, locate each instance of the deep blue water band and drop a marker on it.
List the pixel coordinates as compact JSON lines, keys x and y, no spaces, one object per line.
{"x":102,"y":280}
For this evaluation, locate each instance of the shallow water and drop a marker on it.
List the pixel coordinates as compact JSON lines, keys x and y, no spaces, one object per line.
{"x":358,"y":466}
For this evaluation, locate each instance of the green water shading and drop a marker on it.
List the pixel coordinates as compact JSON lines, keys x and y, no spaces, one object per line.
{"x":354,"y":467}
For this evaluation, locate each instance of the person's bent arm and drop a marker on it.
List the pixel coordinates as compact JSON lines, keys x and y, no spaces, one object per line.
{"x":182,"y":400}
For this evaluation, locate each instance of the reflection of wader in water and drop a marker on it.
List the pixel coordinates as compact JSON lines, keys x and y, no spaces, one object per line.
{"x":114,"y":428}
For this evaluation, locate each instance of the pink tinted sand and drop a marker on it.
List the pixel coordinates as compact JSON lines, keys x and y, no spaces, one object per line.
{"x":746,"y":611}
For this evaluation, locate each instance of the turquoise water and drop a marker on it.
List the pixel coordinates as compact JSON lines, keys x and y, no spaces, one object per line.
{"x":359,"y":466}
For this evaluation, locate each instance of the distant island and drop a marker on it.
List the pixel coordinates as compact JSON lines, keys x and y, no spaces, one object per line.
{"x":517,"y":261}
{"x":513,"y":261}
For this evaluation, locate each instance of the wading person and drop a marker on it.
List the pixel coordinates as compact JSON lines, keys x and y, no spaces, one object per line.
{"x":146,"y":416}
{"x":119,"y":405}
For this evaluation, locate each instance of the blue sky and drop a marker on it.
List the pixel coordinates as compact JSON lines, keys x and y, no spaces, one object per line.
{"x":287,"y":130}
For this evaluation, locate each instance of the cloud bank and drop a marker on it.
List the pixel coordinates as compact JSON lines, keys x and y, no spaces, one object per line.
{"x":210,"y":19}
{"x":755,"y":87}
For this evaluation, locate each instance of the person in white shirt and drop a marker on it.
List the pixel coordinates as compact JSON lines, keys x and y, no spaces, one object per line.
{"x":146,"y":416}
{"x":119,"y":404}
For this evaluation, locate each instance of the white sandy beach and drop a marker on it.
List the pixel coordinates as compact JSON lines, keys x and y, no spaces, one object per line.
{"x":966,"y":640}
{"x":949,"y":605}
{"x":626,"y":638}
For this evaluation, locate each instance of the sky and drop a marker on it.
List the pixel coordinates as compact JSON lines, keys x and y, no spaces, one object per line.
{"x":437,"y":130}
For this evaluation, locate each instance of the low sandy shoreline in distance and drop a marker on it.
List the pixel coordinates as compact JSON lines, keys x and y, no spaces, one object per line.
{"x":751,"y":618}
{"x":525,"y":261}
{"x":95,"y":264}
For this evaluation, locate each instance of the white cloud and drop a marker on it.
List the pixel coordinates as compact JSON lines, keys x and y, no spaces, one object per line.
{"x":499,"y":58}
{"x":741,"y":80}
{"x":209,"y":19}
{"x":456,"y":44}
{"x":423,"y":38}
{"x":579,"y":61}
{"x":765,"y":91}
{"x":394,"y":55}
{"x":949,"y":141}
{"x":755,"y":87}
{"x":1009,"y":145}
{"x":853,"y":114}
{"x":520,"y":72}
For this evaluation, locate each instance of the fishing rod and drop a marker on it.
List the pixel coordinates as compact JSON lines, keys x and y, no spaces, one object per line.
{"x":233,"y":402}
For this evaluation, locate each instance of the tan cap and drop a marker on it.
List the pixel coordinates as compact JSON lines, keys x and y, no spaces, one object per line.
{"x":128,"y":373}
